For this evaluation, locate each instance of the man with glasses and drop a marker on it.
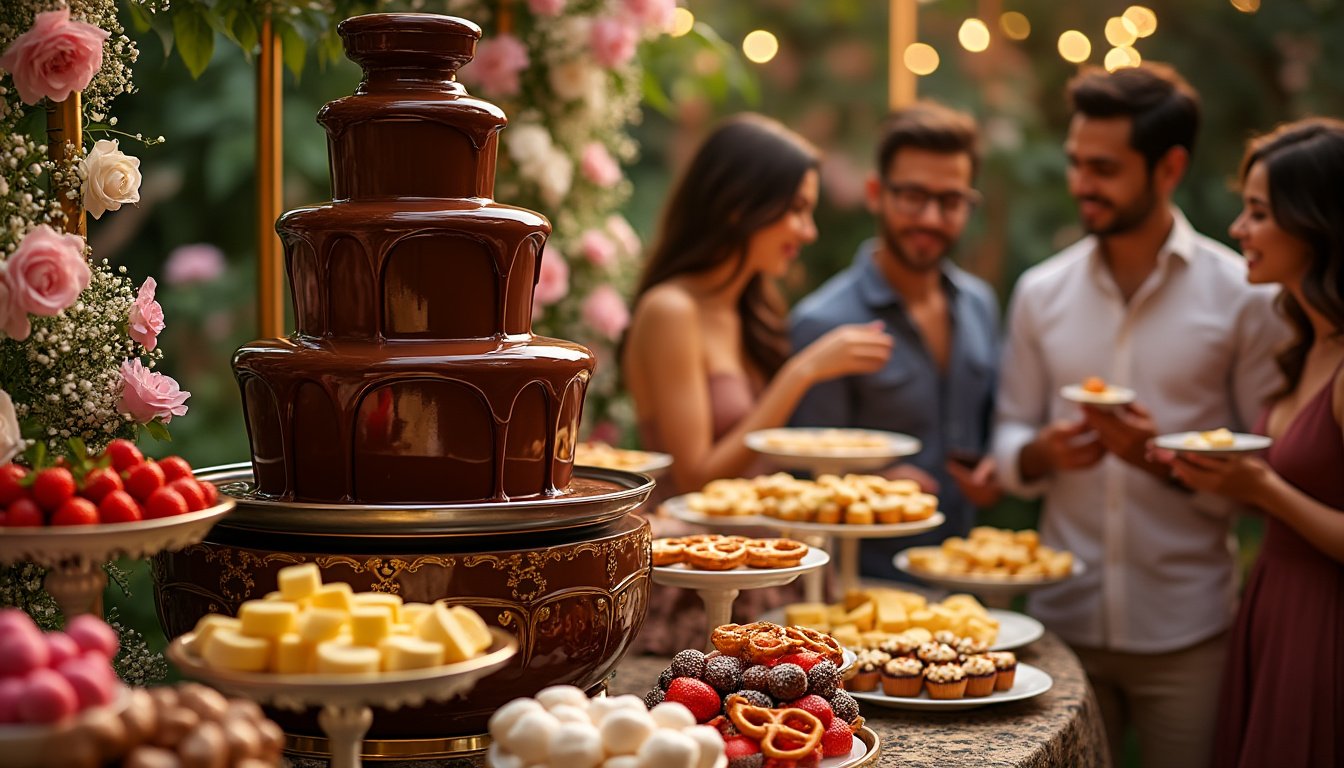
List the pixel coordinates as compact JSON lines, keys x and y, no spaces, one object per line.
{"x":939,"y":381}
{"x":1148,"y":303}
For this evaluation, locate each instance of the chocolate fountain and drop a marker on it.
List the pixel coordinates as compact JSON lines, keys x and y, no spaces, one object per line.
{"x":413,"y":436}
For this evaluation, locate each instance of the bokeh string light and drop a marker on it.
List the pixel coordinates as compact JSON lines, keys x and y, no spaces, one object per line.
{"x":1121,"y":32}
{"x":920,"y":58}
{"x":760,"y":46}
{"x":683,"y":21}
{"x":973,"y":35}
{"x":1074,"y":46}
{"x":1143,"y":19}
{"x":1121,"y":57}
{"x":1015,"y":26}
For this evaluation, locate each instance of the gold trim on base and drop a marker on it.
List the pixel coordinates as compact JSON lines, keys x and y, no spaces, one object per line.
{"x":393,"y":749}
{"x":868,"y":736}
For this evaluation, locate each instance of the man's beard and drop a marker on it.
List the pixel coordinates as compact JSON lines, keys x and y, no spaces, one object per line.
{"x":1126,"y":218}
{"x":914,"y":262}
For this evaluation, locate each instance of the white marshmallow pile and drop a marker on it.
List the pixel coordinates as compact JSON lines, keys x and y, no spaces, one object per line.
{"x":562,"y":727}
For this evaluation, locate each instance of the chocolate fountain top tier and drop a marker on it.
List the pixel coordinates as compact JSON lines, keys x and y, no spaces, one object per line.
{"x":410,"y":129}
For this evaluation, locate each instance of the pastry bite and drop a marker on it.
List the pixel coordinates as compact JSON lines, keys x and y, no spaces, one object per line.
{"x":937,"y":653}
{"x":1005,"y":665}
{"x":830,"y":499}
{"x":903,"y":676}
{"x":945,"y":681}
{"x":1214,"y":438}
{"x":980,"y":676}
{"x":869,"y":665}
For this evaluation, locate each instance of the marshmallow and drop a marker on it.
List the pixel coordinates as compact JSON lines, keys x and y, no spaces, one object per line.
{"x":411,"y":613}
{"x":576,"y":745}
{"x":207,"y":626}
{"x":568,"y":713}
{"x":507,"y":715}
{"x":710,"y":742}
{"x":554,"y":696}
{"x":668,"y":749}
{"x":622,"y":761}
{"x":530,"y":736}
{"x":623,"y":731}
{"x":497,"y":757}
{"x":672,"y":715}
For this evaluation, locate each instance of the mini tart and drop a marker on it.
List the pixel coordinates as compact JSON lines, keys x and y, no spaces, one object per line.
{"x":1005,"y":663}
{"x":945,"y":681}
{"x":869,"y":665}
{"x":980,"y":676}
{"x":903,"y":676}
{"x":937,"y":653}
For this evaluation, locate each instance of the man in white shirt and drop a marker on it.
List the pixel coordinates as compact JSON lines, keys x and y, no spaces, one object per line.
{"x":1147,"y":303}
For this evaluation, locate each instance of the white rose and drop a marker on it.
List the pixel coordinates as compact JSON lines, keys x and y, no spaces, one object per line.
{"x":554,"y":177}
{"x":569,"y":78}
{"x":595,"y":91}
{"x":111,"y":178}
{"x":528,"y":144}
{"x":11,"y":440}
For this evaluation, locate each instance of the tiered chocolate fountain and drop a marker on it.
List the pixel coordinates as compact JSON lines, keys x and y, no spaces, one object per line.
{"x":413,"y":436}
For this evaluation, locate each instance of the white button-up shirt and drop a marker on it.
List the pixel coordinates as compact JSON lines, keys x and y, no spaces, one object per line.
{"x":1196,"y":342}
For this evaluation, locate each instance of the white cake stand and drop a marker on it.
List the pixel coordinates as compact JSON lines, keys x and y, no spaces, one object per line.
{"x":718,"y":589}
{"x":74,"y":554}
{"x":347,"y":700}
{"x":997,"y":593}
{"x":818,"y":459}
{"x":815,"y":535}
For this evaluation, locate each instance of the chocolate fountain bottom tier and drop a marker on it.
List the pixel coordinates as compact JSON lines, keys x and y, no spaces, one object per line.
{"x":333,"y":420}
{"x":574,"y":602}
{"x":416,"y":269}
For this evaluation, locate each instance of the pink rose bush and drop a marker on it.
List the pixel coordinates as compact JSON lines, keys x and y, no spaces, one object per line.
{"x":598,"y":249}
{"x":654,"y":14}
{"x":553,"y":280}
{"x":148,"y":395}
{"x":44,"y":276}
{"x":546,"y":7}
{"x":55,"y":57}
{"x":598,"y":166}
{"x":605,"y":312}
{"x":195,"y":263}
{"x":146,"y":321}
{"x":612,"y":42}
{"x":498,"y":63}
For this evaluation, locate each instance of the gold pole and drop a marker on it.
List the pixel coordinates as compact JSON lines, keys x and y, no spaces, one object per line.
{"x":903,"y":31}
{"x":270,"y":174}
{"x":65,"y":134}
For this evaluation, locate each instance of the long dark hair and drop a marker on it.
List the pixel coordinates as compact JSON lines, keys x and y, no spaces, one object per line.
{"x":1304,"y":161}
{"x":742,"y":178}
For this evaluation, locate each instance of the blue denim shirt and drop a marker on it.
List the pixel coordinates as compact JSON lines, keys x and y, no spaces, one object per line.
{"x":948,"y":412}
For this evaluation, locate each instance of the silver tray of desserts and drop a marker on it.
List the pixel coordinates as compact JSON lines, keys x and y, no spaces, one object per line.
{"x":595,"y":496}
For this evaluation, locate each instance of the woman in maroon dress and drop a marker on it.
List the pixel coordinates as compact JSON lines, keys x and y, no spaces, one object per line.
{"x":1283,"y":690}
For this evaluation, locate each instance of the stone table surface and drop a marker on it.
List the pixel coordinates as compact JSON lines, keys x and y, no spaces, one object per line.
{"x":1061,"y":727}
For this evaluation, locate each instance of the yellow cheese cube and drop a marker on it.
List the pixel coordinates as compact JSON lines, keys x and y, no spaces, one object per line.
{"x":292,"y":656}
{"x":474,"y":626}
{"x":847,"y":635}
{"x":267,"y":618}
{"x":336,"y":595}
{"x":401,"y":652}
{"x":208,"y":625}
{"x":446,"y":626}
{"x":228,"y":649}
{"x":299,"y":581}
{"x":317,"y":625}
{"x":369,"y":624}
{"x":337,"y":658}
{"x":891,"y":614}
{"x":835,"y":615}
{"x":380,"y":598}
{"x":864,"y":617}
{"x":411,"y":612}
{"x":811,"y":614}
{"x":854,"y":598}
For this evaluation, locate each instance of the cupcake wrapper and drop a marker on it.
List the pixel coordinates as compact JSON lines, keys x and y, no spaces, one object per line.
{"x":908,"y":686}
{"x":980,"y":685}
{"x":864,"y":681}
{"x":955,"y":690}
{"x":1004,"y":680}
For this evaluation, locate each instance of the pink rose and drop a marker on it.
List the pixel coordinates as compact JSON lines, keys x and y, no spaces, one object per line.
{"x":553,"y":281}
{"x":13,"y":320}
{"x":195,"y":263}
{"x":55,"y":57}
{"x":598,"y":166}
{"x":598,"y":249}
{"x":612,"y":42}
{"x":47,"y":272}
{"x":605,"y":312}
{"x":149,"y":395}
{"x":653,"y":14}
{"x":624,"y":234}
{"x":546,"y":7}
{"x":496,"y":66}
{"x":146,"y":316}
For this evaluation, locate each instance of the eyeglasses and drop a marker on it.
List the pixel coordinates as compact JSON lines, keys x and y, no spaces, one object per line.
{"x":912,"y":199}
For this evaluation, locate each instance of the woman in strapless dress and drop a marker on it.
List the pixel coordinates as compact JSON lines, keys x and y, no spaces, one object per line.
{"x":1283,"y":690}
{"x":706,"y":356}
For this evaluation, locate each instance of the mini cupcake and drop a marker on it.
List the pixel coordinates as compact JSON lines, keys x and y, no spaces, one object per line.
{"x":980,"y":676}
{"x":869,"y":665}
{"x":1006,"y":665}
{"x":946,"y":637}
{"x":903,"y":676}
{"x":937,"y":653}
{"x":901,"y":645}
{"x":969,"y":646}
{"x":945,"y":681}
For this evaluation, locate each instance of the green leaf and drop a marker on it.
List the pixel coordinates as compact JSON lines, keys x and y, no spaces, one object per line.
{"x":159,"y":432}
{"x":246,"y":34}
{"x":654,"y":95}
{"x":140,"y":20}
{"x":195,"y":39}
{"x":294,"y":47}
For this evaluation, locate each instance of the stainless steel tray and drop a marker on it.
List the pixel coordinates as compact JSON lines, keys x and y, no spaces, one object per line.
{"x":596,"y":496}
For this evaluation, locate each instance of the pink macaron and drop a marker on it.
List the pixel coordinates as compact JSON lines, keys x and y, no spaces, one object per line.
{"x":93,"y":634}
{"x":23,"y":650}
{"x":47,"y":698}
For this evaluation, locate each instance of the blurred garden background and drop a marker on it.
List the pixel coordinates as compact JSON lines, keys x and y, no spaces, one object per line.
{"x":821,"y":67}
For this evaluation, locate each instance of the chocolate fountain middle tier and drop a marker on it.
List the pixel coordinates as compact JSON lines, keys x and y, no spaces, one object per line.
{"x":412,"y":421}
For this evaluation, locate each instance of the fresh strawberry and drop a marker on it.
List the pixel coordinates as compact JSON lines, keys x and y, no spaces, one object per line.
{"x":123,"y":454}
{"x":805,"y":659}
{"x":119,"y":507}
{"x":100,"y":482}
{"x":174,"y":467}
{"x":24,"y":512}
{"x":52,"y":487}
{"x":75,"y":511}
{"x":11,"y":488}
{"x":164,"y":502}
{"x":144,"y":479}
{"x":191,"y":491}
{"x":816,"y":705}
{"x":742,"y":752}
{"x":697,"y":696}
{"x":838,"y":739}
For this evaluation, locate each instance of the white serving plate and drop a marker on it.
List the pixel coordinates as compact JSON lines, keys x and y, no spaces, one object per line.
{"x":1242,"y":443}
{"x":981,"y":585}
{"x":1112,"y":395}
{"x":686,"y":577}
{"x":1029,"y":683}
{"x":887,"y":447}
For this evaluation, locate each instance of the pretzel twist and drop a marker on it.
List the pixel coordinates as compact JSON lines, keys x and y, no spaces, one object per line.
{"x":817,"y":642}
{"x":775,"y":553}
{"x":721,"y":555}
{"x":777,"y":729}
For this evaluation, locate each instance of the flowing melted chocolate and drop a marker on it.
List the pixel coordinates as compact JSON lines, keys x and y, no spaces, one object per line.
{"x":413,"y":375}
